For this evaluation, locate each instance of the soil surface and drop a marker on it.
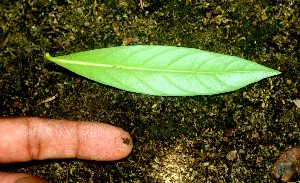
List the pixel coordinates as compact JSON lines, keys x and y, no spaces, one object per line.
{"x":231,"y":137}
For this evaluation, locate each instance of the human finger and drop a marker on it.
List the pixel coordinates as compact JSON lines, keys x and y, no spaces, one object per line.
{"x":28,"y":138}
{"x":19,"y":178}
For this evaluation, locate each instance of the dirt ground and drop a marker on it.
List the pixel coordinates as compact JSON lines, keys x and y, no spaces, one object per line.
{"x":231,"y":137}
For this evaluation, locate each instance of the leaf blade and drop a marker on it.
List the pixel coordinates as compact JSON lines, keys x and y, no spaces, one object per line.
{"x":164,"y":70}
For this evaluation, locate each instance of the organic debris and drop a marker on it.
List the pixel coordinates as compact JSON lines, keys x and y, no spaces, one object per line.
{"x":297,"y":103}
{"x":287,"y":165}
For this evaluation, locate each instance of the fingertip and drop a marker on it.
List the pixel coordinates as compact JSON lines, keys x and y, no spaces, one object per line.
{"x":125,"y":144}
{"x":117,"y":142}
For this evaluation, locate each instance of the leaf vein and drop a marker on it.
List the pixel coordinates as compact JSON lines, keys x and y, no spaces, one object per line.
{"x":180,"y":57}
{"x":117,"y":80}
{"x":156,"y":55}
{"x":145,"y":83}
{"x":199,"y":80}
{"x":176,"y":85}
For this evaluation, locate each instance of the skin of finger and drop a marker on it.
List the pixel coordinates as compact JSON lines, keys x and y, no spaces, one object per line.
{"x":19,"y":178}
{"x":27,"y":138}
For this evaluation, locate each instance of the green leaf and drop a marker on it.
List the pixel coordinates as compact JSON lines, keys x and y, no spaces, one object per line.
{"x":164,"y":70}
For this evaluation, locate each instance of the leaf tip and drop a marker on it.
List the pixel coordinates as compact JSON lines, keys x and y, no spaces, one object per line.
{"x":277,"y":72}
{"x":274,"y":72}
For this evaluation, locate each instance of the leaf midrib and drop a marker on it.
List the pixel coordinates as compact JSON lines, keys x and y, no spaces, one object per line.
{"x":58,"y":60}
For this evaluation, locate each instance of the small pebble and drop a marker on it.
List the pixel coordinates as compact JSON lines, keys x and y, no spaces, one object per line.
{"x":287,"y":165}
